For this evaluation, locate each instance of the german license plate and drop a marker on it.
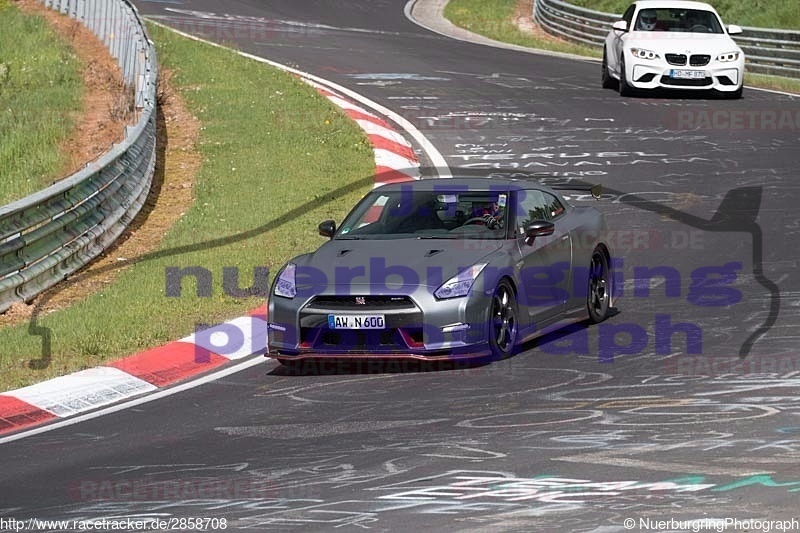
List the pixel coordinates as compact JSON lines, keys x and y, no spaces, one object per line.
{"x":356,"y":322}
{"x":687,"y":74}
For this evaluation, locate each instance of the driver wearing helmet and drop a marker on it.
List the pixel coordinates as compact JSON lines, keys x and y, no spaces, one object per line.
{"x":491,"y":213}
{"x":648,"y":20}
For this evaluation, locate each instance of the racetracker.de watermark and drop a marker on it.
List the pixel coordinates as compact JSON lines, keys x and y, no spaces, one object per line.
{"x":180,"y":489}
{"x":732,"y":119}
{"x":116,"y":524}
{"x":708,"y":365}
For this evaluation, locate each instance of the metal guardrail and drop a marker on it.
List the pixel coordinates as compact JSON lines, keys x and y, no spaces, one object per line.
{"x":48,"y":235}
{"x":766,"y":51}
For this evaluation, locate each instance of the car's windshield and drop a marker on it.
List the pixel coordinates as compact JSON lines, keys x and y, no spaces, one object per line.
{"x":437,"y":214}
{"x":678,"y":20}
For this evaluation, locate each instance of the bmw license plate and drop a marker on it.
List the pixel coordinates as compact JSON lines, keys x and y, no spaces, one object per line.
{"x":356,"y":322}
{"x":687,"y":74}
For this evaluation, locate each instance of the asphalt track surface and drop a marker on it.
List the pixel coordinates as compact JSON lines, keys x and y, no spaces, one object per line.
{"x":572,"y":434}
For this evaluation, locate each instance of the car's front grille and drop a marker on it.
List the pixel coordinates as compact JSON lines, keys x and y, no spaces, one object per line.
{"x":676,"y":59}
{"x":699,"y":60}
{"x":666,"y":80}
{"x":403,"y":324}
{"x":373,"y":303}
{"x":361,"y":341}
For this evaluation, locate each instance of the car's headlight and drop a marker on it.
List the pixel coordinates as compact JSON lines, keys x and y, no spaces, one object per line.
{"x":641,"y":53}
{"x":285,"y":286}
{"x":728,"y":56}
{"x":460,"y":284}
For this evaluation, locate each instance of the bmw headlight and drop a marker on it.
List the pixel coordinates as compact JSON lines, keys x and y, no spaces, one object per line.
{"x":641,"y":53}
{"x":285,"y":286}
{"x":728,"y":56}
{"x":460,"y":284}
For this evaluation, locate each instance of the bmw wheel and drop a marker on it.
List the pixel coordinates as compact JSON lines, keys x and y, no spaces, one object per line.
{"x":598,"y":301}
{"x":503,"y":324}
{"x":607,"y":80}
{"x":734,"y":95}
{"x":624,"y":88}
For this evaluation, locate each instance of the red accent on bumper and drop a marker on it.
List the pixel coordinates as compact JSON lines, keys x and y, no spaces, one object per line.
{"x":317,"y":356}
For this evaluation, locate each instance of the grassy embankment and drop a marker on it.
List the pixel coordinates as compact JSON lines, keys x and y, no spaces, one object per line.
{"x":495,"y":19}
{"x":40,"y":94}
{"x":269,"y":144}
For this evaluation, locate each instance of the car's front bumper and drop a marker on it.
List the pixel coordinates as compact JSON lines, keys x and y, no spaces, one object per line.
{"x":658,"y":74}
{"x":417,"y":326}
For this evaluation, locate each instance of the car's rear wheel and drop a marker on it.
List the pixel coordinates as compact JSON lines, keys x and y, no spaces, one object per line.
{"x":503,"y":323}
{"x":607,"y":80}
{"x":598,"y":300}
{"x":624,"y":88}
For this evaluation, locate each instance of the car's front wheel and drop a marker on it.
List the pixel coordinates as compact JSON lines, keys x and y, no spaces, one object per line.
{"x":607,"y":80}
{"x":734,"y":95}
{"x":624,"y":88}
{"x":503,"y":323}
{"x":598,"y":301}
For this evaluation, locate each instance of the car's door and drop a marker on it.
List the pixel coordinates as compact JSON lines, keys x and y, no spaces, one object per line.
{"x":617,"y":40}
{"x":545,"y":266}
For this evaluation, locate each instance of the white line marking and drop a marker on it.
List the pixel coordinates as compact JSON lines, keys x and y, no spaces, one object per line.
{"x":258,"y":359}
{"x":385,"y":158}
{"x":344,"y":104}
{"x":370,"y":128}
{"x":486,"y":41}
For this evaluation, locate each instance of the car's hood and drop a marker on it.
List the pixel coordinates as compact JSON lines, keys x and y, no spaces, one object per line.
{"x":681,"y":43}
{"x":433,"y":261}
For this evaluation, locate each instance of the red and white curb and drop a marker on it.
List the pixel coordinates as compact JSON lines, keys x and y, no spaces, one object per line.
{"x":144,"y":373}
{"x":395,"y":160}
{"x":139,"y":374}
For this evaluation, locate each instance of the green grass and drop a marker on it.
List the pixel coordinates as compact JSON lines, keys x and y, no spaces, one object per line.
{"x":40,"y":93}
{"x":755,"y":13}
{"x":777,"y":83}
{"x":269,"y":144}
{"x":495,"y":19}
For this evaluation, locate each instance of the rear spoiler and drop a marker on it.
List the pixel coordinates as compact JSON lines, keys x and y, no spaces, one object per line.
{"x":595,"y":190}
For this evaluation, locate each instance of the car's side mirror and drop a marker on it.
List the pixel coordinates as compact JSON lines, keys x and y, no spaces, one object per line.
{"x":620,"y":25}
{"x":327,"y":228}
{"x":733,"y":29}
{"x":538,"y":228}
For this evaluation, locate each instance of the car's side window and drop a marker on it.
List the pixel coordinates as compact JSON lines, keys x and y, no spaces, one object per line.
{"x":628,"y":15}
{"x":533,"y":204}
{"x":554,"y":206}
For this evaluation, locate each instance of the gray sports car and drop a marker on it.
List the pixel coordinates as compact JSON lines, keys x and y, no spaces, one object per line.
{"x":443,"y":269}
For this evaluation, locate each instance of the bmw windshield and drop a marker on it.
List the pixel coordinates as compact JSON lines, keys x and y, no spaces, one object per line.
{"x":678,"y":20}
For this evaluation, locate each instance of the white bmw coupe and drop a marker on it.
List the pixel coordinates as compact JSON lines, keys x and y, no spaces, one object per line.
{"x":672,"y":44}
